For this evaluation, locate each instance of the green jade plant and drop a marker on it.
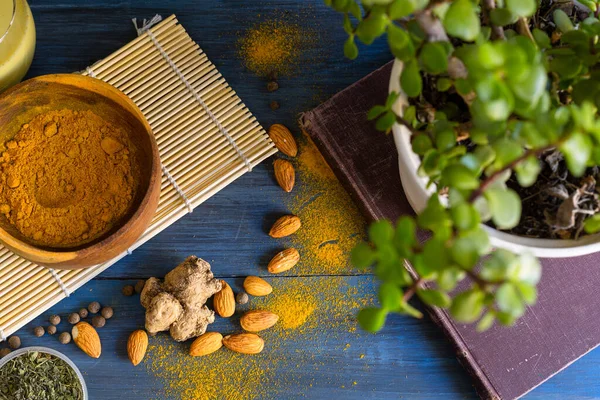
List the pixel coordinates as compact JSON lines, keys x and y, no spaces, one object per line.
{"x":527,"y":75}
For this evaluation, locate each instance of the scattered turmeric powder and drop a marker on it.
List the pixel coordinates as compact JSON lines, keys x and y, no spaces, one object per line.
{"x":273,"y":47}
{"x":331,"y":223}
{"x":69,"y":178}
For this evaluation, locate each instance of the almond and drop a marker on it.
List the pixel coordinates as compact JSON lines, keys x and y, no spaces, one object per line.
{"x":258,"y":320}
{"x":256,"y":286}
{"x":87,"y":339}
{"x":284,"y":174}
{"x":224,"y":301}
{"x":283,"y":140}
{"x":245,"y":343}
{"x":283,"y":261}
{"x":137,"y":346}
{"x":285,"y":226}
{"x":206,"y":344}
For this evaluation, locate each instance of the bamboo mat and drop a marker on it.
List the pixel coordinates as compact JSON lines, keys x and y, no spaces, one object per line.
{"x":206,"y":136}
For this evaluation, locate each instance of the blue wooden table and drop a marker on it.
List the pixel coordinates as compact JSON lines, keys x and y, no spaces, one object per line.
{"x":408,"y":359}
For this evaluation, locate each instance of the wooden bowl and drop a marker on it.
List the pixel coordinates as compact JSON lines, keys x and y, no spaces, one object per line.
{"x":46,"y":93}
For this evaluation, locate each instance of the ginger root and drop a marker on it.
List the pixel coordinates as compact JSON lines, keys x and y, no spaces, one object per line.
{"x":178,"y":304}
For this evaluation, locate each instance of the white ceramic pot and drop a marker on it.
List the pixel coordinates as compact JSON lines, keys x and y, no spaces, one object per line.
{"x":415,"y":188}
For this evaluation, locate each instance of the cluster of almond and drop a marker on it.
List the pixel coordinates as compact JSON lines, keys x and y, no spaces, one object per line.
{"x":224,"y":301}
{"x":286,"y":177}
{"x":252,"y":322}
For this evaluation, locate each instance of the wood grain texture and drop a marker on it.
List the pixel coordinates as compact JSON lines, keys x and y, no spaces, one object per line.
{"x":409,"y":359}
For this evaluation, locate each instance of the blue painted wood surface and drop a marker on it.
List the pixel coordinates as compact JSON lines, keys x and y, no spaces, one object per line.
{"x":408,"y":359}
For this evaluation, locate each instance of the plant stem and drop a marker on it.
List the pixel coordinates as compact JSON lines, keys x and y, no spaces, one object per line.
{"x":412,"y":289}
{"x":497,"y":31}
{"x":523,"y":28}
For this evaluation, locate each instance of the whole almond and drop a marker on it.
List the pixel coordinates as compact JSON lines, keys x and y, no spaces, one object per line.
{"x":245,"y":343}
{"x":255,"y":286}
{"x":87,"y":339}
{"x":283,"y":140}
{"x":206,"y":344}
{"x":284,"y":174}
{"x":224,"y":301}
{"x":283,"y":261}
{"x":258,"y":320}
{"x":137,"y":346}
{"x":285,"y":226}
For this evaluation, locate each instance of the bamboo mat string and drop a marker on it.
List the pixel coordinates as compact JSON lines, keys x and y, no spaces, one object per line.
{"x":59,"y":281}
{"x":90,"y":72}
{"x":178,"y":189}
{"x":193,"y":91}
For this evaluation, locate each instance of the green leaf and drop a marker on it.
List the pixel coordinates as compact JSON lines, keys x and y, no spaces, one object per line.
{"x":348,"y":28}
{"x":505,"y":206}
{"x":354,"y":9}
{"x":577,"y":151}
{"x":468,"y":248}
{"x":527,"y":171}
{"x":406,"y":308}
{"x":506,"y":151}
{"x":486,"y":322}
{"x":435,"y":257}
{"x":463,"y":87}
{"x":434,"y":297}
{"x":464,"y":216}
{"x":391,"y":99}
{"x":522,"y":8}
{"x":405,"y":231}
{"x":401,"y":8}
{"x":541,"y":38}
{"x":565,"y":66}
{"x":589,"y":4}
{"x":421,"y":144}
{"x":443,"y":84}
{"x":362,"y":255}
{"x":461,"y":20}
{"x":410,"y":80}
{"x":528,"y":292}
{"x":381,"y":232}
{"x":434,"y":58}
{"x":459,"y":177}
{"x":339,"y":5}
{"x":592,"y":224}
{"x":505,"y":319}
{"x":400,"y":43}
{"x":467,"y":306}
{"x":449,"y":278}
{"x":350,"y":49}
{"x":502,"y":17}
{"x":372,"y":319}
{"x":385,"y":122}
{"x":372,"y":27}
{"x":375,"y":112}
{"x":445,"y":140}
{"x":500,"y":266}
{"x":562,"y":21}
{"x":390,"y":296}
{"x":509,"y":300}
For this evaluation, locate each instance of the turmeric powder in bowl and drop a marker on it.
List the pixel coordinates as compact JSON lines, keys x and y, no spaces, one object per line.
{"x":67,"y":178}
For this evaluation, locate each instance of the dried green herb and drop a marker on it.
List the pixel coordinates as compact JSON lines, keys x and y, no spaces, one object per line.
{"x":39,"y":376}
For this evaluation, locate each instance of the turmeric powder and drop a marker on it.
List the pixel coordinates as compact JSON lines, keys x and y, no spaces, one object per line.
{"x":67,"y":178}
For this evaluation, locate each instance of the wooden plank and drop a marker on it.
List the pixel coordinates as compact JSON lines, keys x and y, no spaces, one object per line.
{"x":409,"y":358}
{"x":414,"y":359}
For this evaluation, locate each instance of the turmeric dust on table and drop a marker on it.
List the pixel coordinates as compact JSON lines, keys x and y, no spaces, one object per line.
{"x":67,"y":177}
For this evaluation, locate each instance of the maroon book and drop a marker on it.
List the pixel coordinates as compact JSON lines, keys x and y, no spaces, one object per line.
{"x":505,"y":363}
